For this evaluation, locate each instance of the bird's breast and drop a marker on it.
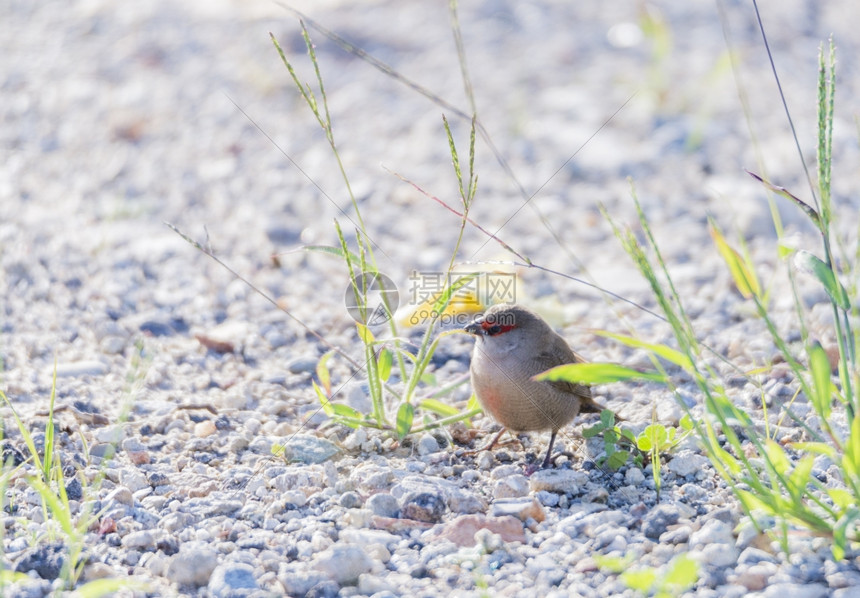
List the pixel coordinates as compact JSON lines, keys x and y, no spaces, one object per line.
{"x":508,"y":394}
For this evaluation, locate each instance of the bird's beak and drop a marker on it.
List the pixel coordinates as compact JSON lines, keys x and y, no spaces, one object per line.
{"x":475,"y":327}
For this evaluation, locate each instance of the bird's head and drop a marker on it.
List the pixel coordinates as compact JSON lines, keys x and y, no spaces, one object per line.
{"x":507,"y":322}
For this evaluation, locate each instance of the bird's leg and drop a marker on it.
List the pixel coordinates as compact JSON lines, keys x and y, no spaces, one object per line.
{"x":495,"y":440}
{"x":547,"y":459}
{"x":488,"y":446}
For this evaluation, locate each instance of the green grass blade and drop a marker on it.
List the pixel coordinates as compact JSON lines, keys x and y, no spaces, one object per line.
{"x":59,"y":511}
{"x":341,"y":410}
{"x":596,"y":373}
{"x":800,"y":477}
{"x":322,"y":371}
{"x":108,"y":586}
{"x":667,"y":353}
{"x":815,"y":266}
{"x":683,"y":572}
{"x":641,"y":579}
{"x":25,"y":434}
{"x":323,"y":398}
{"x":438,"y":407}
{"x":840,"y":532}
{"x":329,"y":250}
{"x":442,"y":302}
{"x":851,"y":457}
{"x":841,"y":498}
{"x":821,"y":384}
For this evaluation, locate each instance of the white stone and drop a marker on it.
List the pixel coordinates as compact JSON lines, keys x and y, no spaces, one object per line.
{"x":513,"y":486}
{"x":343,"y":563}
{"x":686,"y":463}
{"x":192,"y":565}
{"x":634,"y":476}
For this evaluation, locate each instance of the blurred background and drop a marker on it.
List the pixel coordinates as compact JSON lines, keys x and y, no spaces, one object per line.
{"x":119,"y":117}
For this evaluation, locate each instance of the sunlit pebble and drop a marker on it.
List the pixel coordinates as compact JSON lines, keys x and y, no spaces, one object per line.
{"x":308,"y":235}
{"x":138,"y":457}
{"x":204,"y":428}
{"x":624,"y":35}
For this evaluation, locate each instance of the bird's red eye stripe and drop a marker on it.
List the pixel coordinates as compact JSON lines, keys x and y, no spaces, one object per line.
{"x":492,"y":329}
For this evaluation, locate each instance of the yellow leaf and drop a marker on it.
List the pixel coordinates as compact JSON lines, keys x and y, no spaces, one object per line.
{"x":743,"y":275}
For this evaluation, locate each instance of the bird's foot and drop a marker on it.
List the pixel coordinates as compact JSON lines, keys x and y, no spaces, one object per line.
{"x":489,"y":445}
{"x":531,"y":468}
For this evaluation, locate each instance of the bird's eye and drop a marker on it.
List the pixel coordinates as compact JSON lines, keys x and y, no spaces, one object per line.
{"x":494,"y":329}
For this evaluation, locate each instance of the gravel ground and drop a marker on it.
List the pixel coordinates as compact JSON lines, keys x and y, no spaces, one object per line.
{"x":117,"y":119}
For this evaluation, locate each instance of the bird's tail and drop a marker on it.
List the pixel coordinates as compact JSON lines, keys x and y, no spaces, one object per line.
{"x":589,"y":405}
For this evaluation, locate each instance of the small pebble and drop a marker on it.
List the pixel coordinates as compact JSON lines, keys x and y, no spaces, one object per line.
{"x":427,"y":445}
{"x":343,"y":563}
{"x":384,"y":505}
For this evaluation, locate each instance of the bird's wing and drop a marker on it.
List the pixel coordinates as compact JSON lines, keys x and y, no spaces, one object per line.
{"x":560,"y":353}
{"x":546,"y":360}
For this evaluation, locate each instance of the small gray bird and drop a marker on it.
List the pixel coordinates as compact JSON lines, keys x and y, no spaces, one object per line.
{"x":514,"y":344}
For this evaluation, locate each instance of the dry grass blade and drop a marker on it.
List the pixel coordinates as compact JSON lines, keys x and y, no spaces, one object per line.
{"x":808,"y":210}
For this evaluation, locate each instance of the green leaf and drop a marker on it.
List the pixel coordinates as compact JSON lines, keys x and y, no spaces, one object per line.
{"x":841,"y":498}
{"x":438,"y":407}
{"x":347,"y":415}
{"x":656,"y":435}
{"x":59,"y":510}
{"x":822,"y":386}
{"x":607,"y":418}
{"x":667,"y":353}
{"x":405,"y":415}
{"x":727,"y":460}
{"x":344,"y":410}
{"x":610,"y":436}
{"x":742,"y":272}
{"x":851,"y":458}
{"x":596,"y":373}
{"x":723,"y":407}
{"x":323,"y":373}
{"x":840,"y":531}
{"x":640,"y":579}
{"x":10,"y":577}
{"x":107,"y":586}
{"x":777,"y":457}
{"x":683,"y":572}
{"x":799,"y":478}
{"x":324,"y":400}
{"x":628,"y":434}
{"x":617,"y":459}
{"x":473,"y":403}
{"x":813,"y":265}
{"x":383,"y":364}
{"x":364,"y":333}
{"x":643,"y":443}
{"x":752,"y":502}
{"x":592,"y":431}
{"x":613,"y":564}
